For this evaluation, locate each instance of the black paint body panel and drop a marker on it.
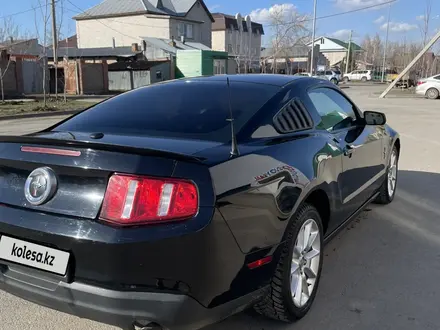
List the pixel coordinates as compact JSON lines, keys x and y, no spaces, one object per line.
{"x":246,"y":202}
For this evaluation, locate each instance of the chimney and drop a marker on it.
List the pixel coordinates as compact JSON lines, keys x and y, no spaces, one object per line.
{"x":114,"y":42}
{"x":134,"y":47}
{"x":182,"y":39}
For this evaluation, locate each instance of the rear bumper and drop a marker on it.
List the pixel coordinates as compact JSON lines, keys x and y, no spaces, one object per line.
{"x":420,"y":91}
{"x":119,"y":308}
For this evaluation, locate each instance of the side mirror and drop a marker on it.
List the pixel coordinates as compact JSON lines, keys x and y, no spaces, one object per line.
{"x":374,"y":118}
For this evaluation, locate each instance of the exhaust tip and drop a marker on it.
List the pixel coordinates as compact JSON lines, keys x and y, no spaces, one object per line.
{"x":147,"y":326}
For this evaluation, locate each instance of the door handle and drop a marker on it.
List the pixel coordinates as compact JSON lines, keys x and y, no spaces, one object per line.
{"x":350,"y":148}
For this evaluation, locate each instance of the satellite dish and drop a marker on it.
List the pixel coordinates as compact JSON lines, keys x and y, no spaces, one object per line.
{"x":239,"y":19}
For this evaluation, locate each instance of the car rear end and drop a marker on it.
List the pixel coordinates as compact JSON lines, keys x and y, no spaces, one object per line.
{"x":110,"y":216}
{"x":422,"y":86}
{"x":120,"y":239}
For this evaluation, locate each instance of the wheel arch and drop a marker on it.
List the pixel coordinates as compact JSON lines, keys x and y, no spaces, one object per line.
{"x":320,"y":200}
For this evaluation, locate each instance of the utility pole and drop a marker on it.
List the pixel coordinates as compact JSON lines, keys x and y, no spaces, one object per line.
{"x":313,"y":39}
{"x":55,"y":45}
{"x":347,"y":60}
{"x":413,"y":62}
{"x":386,"y":44}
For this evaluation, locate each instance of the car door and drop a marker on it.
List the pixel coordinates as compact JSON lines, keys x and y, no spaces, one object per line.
{"x":363,"y":157}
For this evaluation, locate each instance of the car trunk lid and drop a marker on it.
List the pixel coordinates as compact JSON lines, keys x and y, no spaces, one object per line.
{"x":82,"y":166}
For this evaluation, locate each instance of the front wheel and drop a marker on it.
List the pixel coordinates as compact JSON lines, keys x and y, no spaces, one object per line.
{"x":389,"y":186}
{"x":364,"y":79}
{"x":296,"y":279}
{"x":346,"y":79}
{"x":334,"y":81}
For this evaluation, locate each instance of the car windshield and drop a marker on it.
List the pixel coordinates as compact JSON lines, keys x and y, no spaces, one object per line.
{"x":189,"y":109}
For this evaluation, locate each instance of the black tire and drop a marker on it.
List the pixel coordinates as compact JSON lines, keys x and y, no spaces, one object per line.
{"x":364,"y":79}
{"x":334,"y":81}
{"x":278,"y":304}
{"x":346,"y":79}
{"x":432,"y":93}
{"x":384,"y":196}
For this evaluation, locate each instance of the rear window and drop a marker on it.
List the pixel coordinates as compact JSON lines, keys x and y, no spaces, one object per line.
{"x":337,"y":72}
{"x":181,"y":109}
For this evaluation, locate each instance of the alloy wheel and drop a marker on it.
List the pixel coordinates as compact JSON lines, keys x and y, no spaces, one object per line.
{"x":305,"y":263}
{"x":392,"y":173}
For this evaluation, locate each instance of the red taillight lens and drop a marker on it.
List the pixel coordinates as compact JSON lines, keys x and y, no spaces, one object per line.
{"x":420,"y":83}
{"x":132,"y":200}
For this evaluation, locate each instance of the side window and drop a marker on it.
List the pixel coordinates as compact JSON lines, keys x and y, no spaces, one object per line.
{"x":335,"y":110}
{"x":437,"y":77}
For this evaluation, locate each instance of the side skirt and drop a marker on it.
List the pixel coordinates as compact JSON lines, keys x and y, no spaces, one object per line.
{"x":349,"y":219}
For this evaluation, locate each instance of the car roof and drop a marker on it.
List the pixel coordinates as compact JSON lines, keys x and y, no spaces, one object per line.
{"x":260,"y":78}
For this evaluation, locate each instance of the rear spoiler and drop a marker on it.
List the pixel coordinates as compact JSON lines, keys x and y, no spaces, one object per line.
{"x":98,"y":146}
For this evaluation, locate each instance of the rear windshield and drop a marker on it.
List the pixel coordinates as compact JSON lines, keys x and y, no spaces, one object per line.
{"x":337,"y":72}
{"x":192,"y":109}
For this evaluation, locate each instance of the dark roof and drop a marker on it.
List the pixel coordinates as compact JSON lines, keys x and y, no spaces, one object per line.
{"x":102,"y":52}
{"x":118,"y":8}
{"x":223,"y":22}
{"x":22,"y":47}
{"x":136,"y":65}
{"x":260,"y":78}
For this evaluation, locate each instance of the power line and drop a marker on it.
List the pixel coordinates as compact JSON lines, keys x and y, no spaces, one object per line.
{"x":82,"y":11}
{"x":338,"y":14}
{"x":24,"y":11}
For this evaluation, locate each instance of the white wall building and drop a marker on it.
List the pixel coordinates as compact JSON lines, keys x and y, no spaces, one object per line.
{"x":241,"y":41}
{"x":124,"y":22}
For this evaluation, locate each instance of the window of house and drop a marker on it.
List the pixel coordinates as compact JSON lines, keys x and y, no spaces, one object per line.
{"x":335,"y":110}
{"x":189,"y":31}
{"x":230,"y":48}
{"x":159,"y":75}
{"x":238,"y":49}
{"x":186,"y":30}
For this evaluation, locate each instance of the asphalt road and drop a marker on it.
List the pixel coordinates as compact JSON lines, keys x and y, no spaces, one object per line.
{"x":380,"y":273}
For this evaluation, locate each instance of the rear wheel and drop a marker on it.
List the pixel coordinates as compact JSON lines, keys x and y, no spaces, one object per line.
{"x":432,"y":93}
{"x":388,"y":188}
{"x":346,"y":79}
{"x":334,"y":81}
{"x":296,"y":279}
{"x":364,"y":79}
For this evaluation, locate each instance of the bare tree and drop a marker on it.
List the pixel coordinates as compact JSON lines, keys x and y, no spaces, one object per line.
{"x":290,"y":29}
{"x":9,"y":31}
{"x":44,"y":37}
{"x":424,"y":30}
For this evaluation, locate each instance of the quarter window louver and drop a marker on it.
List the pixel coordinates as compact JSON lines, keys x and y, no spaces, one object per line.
{"x":292,"y":117}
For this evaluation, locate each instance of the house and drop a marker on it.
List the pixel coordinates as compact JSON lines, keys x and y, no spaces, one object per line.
{"x":23,"y":48}
{"x":291,"y":60}
{"x":241,"y":41}
{"x":22,"y":66}
{"x":121,"y":23}
{"x":86,"y":70}
{"x":70,"y":42}
{"x":334,"y":50}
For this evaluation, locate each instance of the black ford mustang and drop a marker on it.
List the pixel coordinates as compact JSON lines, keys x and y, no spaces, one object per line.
{"x":179,"y":204}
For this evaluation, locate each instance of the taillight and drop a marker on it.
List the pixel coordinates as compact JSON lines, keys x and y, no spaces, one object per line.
{"x":420,"y":83}
{"x":133,"y":200}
